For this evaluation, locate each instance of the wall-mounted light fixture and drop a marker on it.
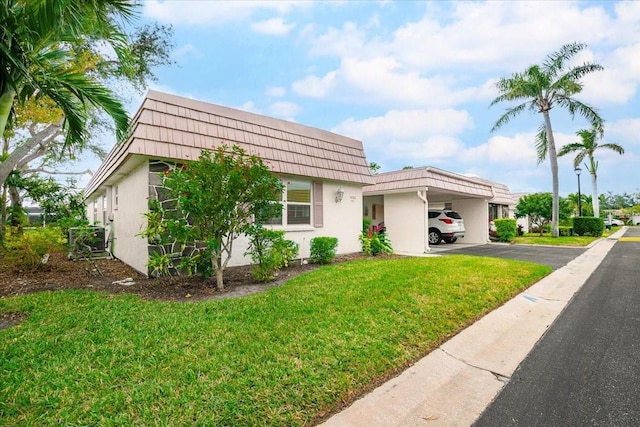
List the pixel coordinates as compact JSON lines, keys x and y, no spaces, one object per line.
{"x":339,"y":195}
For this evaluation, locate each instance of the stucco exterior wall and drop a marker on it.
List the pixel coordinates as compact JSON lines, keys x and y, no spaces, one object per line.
{"x":341,"y":219}
{"x":128,"y":220}
{"x":405,"y":217}
{"x":475,"y":213}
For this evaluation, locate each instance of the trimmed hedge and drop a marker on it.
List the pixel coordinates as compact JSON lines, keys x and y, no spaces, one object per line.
{"x":323,"y":249}
{"x":506,"y":229}
{"x":588,"y":226}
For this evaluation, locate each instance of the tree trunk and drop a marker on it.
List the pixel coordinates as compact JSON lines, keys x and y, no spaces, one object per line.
{"x":595,"y":201}
{"x":216,"y":261}
{"x":553,"y":158}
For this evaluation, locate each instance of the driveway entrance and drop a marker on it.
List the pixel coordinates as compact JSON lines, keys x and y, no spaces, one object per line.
{"x":553,"y":256}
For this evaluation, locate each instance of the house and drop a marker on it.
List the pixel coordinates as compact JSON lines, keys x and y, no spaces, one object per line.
{"x":326,"y":171}
{"x":401,"y":200}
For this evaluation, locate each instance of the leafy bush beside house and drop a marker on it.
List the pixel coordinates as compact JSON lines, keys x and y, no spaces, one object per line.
{"x":506,"y":229}
{"x":269,"y":251}
{"x":323,"y":249}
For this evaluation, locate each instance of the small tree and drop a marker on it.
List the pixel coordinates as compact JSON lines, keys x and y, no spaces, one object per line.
{"x":221,"y":195}
{"x":538,"y":207}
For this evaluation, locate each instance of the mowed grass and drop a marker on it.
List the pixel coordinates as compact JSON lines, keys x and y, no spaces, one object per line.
{"x":536,"y":239}
{"x":285,"y":357}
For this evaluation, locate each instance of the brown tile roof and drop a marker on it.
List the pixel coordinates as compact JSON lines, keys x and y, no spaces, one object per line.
{"x":431,"y":178}
{"x":173,"y":127}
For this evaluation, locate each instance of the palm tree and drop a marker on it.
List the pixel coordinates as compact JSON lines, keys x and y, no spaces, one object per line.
{"x":540,"y":88}
{"x":37,"y":58}
{"x":586,"y":148}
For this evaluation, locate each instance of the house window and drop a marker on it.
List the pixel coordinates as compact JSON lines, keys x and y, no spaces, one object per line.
{"x":115,"y":198}
{"x":493,"y":211}
{"x":95,"y":211}
{"x":296,"y":201}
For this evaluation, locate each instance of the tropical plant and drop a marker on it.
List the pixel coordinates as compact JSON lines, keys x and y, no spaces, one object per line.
{"x":374,"y":240}
{"x":585,"y":149}
{"x":539,"y":88}
{"x":59,"y":57}
{"x":37,"y":42}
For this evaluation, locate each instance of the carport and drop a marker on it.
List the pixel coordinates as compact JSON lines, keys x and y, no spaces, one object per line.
{"x":401,"y":201}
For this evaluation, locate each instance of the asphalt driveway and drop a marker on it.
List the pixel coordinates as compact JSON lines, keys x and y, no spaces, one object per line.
{"x":553,"y":256}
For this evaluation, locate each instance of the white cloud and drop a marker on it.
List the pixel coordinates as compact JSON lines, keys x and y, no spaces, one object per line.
{"x":194,"y":12}
{"x":274,"y":27}
{"x":502,"y":150}
{"x":276,"y":91}
{"x":623,"y":132}
{"x":420,"y":137}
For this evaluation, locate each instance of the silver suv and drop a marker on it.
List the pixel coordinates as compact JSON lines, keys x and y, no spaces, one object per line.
{"x":445,"y":225}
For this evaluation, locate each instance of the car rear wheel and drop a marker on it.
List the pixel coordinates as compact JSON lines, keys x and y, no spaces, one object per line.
{"x":434,"y":236}
{"x":450,"y":239}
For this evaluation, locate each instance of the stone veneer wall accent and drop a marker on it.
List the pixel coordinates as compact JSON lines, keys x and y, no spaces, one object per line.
{"x":157,"y":191}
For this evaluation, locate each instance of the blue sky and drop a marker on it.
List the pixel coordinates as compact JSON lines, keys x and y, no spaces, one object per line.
{"x":414,"y":80}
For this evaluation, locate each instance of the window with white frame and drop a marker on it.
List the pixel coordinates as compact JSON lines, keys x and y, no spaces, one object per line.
{"x":115,"y":198}
{"x":296,"y":204}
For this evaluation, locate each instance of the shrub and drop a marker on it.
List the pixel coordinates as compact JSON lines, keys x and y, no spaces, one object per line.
{"x":323,"y":249}
{"x":565,"y":230}
{"x":588,"y":226}
{"x":270,"y":252}
{"x":506,"y":229}
{"x":30,"y":249}
{"x":374,"y":241}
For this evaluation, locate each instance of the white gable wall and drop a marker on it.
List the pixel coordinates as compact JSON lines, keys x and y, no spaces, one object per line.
{"x":128,"y":220}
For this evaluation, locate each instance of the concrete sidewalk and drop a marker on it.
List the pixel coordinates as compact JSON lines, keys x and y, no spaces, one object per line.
{"x":453,"y":384}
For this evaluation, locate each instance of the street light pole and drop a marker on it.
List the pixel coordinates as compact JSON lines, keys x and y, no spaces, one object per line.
{"x":577,"y":171}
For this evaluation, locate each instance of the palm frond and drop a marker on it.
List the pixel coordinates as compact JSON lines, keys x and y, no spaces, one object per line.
{"x":613,"y":147}
{"x":555,"y":62}
{"x":509,"y":114}
{"x":541,"y":143}
{"x":570,"y":148}
{"x":574,"y":107}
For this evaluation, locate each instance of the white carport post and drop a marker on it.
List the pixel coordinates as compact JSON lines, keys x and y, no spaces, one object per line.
{"x":475,"y":213}
{"x":422,"y":195}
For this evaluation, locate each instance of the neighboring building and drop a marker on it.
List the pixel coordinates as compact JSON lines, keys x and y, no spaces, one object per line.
{"x":327,"y":172}
{"x":401,"y":200}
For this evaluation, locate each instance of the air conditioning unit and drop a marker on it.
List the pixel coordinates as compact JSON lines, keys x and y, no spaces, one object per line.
{"x":91,"y":236}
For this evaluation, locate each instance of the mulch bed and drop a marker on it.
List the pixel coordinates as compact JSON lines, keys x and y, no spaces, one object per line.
{"x":103,"y":275}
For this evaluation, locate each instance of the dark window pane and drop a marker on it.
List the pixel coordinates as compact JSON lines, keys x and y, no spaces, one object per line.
{"x":298,"y":214}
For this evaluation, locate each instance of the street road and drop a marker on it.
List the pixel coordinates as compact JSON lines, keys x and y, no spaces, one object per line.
{"x":585,"y":371}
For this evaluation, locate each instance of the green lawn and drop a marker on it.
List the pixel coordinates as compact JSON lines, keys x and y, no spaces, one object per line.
{"x":284,"y":357}
{"x":546,"y":239}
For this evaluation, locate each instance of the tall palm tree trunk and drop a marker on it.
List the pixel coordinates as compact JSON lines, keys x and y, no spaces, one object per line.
{"x":553,"y":159}
{"x":595,"y":201}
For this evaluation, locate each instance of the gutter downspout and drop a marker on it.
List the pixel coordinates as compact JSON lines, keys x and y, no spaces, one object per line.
{"x":425,"y":215}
